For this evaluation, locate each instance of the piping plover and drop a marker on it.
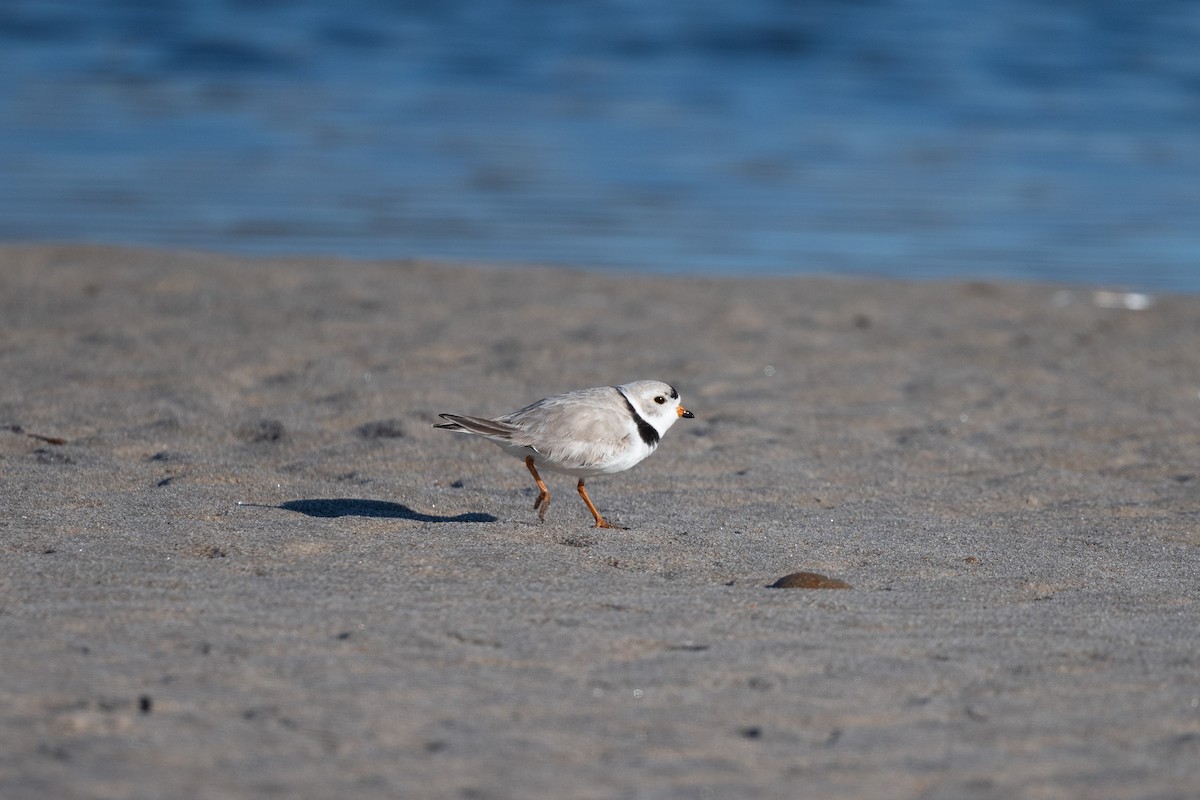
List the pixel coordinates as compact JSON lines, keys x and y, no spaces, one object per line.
{"x":582,"y":433}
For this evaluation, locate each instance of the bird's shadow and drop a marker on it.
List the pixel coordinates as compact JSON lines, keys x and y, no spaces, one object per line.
{"x":353,"y":507}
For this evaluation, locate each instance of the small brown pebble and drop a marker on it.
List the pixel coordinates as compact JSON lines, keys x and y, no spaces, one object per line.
{"x":971,"y":560}
{"x":809,"y":580}
{"x":55,"y":440}
{"x":38,"y":436}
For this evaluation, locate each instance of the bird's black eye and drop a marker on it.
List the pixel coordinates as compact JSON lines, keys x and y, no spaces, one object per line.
{"x":660,"y":399}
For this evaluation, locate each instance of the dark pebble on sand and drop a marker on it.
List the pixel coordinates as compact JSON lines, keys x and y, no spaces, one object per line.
{"x":47,"y":456}
{"x":261,"y":430}
{"x":381,"y":429}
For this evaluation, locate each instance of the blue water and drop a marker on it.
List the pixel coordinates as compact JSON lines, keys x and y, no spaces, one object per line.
{"x":1032,"y":139}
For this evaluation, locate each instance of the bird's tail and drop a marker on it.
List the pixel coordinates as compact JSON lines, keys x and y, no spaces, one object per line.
{"x":477,"y":425}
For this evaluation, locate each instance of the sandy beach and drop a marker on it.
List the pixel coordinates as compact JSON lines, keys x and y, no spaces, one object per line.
{"x":236,"y":560}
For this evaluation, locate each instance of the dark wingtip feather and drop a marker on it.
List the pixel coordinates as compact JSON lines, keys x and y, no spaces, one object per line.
{"x":478,"y":425}
{"x":450,"y":426}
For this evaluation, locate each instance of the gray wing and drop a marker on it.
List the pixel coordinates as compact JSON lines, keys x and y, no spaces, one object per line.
{"x":577,"y":429}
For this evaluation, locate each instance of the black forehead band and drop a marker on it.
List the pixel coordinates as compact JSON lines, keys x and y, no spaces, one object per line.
{"x":674,"y":394}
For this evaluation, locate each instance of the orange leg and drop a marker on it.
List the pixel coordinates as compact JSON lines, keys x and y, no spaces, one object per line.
{"x":600,"y":523}
{"x":543,"y":499}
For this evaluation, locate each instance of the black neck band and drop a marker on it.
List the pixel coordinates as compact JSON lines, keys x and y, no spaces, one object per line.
{"x":645,"y":429}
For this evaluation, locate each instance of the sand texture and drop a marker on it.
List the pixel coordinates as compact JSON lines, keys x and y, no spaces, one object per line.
{"x":236,"y":560}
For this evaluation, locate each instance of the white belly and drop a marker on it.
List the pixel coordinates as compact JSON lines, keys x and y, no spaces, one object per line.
{"x":583,"y":461}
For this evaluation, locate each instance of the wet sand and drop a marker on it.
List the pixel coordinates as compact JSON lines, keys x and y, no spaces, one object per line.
{"x":236,"y":560}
